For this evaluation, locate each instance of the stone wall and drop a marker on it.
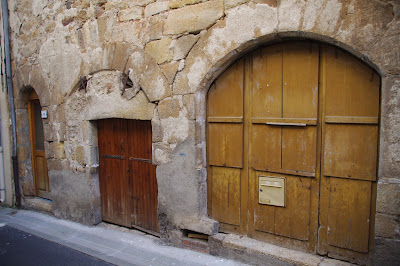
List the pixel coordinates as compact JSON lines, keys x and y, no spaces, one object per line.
{"x":172,"y":51}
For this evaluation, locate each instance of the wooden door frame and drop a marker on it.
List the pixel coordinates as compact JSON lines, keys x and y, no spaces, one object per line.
{"x":34,"y":98}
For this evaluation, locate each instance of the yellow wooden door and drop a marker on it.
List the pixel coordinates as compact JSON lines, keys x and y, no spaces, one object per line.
{"x":298,"y":112}
{"x":39,"y":162}
{"x":350,"y":151}
{"x":283,"y":112}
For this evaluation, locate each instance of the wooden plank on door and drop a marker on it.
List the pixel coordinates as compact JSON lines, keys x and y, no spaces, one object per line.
{"x":225,"y":144}
{"x":229,"y":83}
{"x":352,"y":88}
{"x":266,"y":148}
{"x":114,"y":171}
{"x":349,"y":214}
{"x":293,"y":220}
{"x":299,"y":146}
{"x":144,"y":189}
{"x":300,"y":80}
{"x":349,"y":148}
{"x":226,"y":194}
{"x":351,"y":151}
{"x":266,"y":91}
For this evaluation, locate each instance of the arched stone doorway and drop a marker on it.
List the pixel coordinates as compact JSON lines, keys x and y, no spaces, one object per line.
{"x":292,"y":143}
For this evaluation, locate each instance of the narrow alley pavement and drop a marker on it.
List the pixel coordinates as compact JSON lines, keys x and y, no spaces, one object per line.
{"x":102,"y":244}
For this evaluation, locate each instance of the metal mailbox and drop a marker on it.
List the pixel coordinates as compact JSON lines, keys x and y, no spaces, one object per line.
{"x":272,"y":190}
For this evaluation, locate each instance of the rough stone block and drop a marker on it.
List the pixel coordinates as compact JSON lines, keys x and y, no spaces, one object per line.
{"x":170,"y":71}
{"x":194,"y":18}
{"x":177,"y":180}
{"x":73,"y":202}
{"x":386,"y":225}
{"x":162,"y":153}
{"x":189,"y":79}
{"x":235,"y":33}
{"x":24,"y":153}
{"x":156,"y":28}
{"x":132,"y":13}
{"x":157,"y":134}
{"x":387,"y":252}
{"x":203,"y":225}
{"x":388,"y":199}
{"x":232,"y":3}
{"x":152,"y":80}
{"x":38,"y":204}
{"x":120,"y":55}
{"x":189,"y":102}
{"x":175,"y":130}
{"x":181,"y":3}
{"x":183,"y":45}
{"x":389,"y":161}
{"x":80,"y":155}
{"x":169,"y":107}
{"x":155,"y":8}
{"x":27,"y":188}
{"x":59,"y":151}
{"x":160,"y":50}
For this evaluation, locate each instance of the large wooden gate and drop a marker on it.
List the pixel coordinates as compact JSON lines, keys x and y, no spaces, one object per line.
{"x":128,"y":183}
{"x":297,"y":120}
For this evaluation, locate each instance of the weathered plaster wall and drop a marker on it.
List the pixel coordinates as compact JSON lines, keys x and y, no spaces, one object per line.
{"x":5,"y":128}
{"x":172,"y":51}
{"x":7,"y":147}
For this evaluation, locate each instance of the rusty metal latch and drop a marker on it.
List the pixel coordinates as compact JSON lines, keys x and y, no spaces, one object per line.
{"x":113,"y":157}
{"x":140,"y":160}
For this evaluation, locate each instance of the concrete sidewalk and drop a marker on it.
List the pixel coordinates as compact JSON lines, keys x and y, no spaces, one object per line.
{"x":128,"y":247}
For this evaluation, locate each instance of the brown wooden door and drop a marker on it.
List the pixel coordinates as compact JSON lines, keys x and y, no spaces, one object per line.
{"x":306,"y":113}
{"x":128,"y":183}
{"x":39,"y":162}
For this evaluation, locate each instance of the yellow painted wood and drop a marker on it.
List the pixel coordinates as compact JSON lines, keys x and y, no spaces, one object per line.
{"x":349,"y":214}
{"x":300,"y":80}
{"x":351,"y":151}
{"x":262,"y":120}
{"x":352,"y":88}
{"x":267,"y":153}
{"x":226,"y":195}
{"x":287,"y":124}
{"x":351,"y":120}
{"x":225,"y":98}
{"x":225,"y":119}
{"x":291,"y":221}
{"x":299,"y":148}
{"x":266,"y":92}
{"x":225,"y":144}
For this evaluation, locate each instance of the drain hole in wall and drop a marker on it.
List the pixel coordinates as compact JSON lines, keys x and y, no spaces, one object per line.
{"x":195,"y":235}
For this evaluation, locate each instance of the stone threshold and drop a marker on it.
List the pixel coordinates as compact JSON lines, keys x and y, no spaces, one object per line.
{"x":254,"y":252}
{"x":37,"y":204}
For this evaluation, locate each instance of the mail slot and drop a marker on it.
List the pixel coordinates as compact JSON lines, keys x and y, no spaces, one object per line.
{"x":271,"y":190}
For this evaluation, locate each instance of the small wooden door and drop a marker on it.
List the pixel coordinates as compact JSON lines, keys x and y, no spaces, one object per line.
{"x":308,"y":114}
{"x":39,"y":162}
{"x":128,"y":183}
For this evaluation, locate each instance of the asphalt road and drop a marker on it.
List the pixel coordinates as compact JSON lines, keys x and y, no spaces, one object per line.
{"x":21,"y":248}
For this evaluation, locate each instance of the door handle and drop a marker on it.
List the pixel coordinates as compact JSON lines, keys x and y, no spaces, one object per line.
{"x":122,"y":145}
{"x":286,"y":124}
